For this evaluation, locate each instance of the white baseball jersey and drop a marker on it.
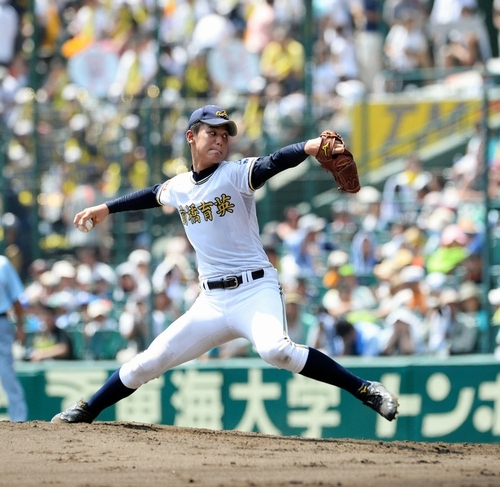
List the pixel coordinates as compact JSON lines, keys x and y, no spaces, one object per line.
{"x":219,"y":217}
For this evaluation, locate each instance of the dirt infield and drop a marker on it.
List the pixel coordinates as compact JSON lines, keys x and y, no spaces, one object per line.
{"x":136,"y":454}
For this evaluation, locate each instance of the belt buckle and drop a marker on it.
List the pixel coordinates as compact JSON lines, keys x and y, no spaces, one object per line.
{"x":230,"y":282}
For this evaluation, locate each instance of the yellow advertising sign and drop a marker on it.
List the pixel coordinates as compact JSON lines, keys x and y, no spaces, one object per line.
{"x":390,"y":130}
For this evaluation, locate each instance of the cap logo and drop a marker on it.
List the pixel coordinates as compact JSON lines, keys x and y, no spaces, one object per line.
{"x":222,"y":114}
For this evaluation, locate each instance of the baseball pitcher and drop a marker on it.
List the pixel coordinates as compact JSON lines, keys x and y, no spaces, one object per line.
{"x":240,"y":292}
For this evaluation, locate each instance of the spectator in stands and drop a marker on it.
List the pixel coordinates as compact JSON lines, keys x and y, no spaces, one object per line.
{"x":335,"y":261}
{"x":137,"y":66}
{"x":14,"y":242}
{"x":459,"y":35}
{"x":289,"y":224}
{"x":90,"y":257}
{"x":342,"y":226}
{"x":494,"y":301}
{"x":393,"y":11}
{"x":368,"y":208}
{"x":451,"y":252}
{"x":341,"y":336}
{"x":341,"y":42}
{"x":496,"y":20}
{"x":470,"y":320}
{"x":9,"y":31}
{"x":259,"y":26}
{"x":141,"y":259}
{"x":369,"y":40}
{"x":163,"y":314}
{"x":438,"y":319}
{"x":34,"y":288}
{"x":51,"y":342}
{"x":133,"y":326}
{"x":282,"y":60}
{"x":175,"y":274}
{"x":299,"y":321}
{"x":411,"y":278}
{"x":325,"y":78}
{"x":362,"y":338}
{"x":126,"y":288}
{"x":402,"y":333}
{"x":406,"y":49}
{"x":303,"y":246}
{"x":363,"y":255}
{"x":348,"y":295}
{"x":232,"y":68}
{"x":211,"y":30}
{"x":400,"y":194}
{"x":466,"y":174}
{"x":102,"y":339}
{"x":99,"y":317}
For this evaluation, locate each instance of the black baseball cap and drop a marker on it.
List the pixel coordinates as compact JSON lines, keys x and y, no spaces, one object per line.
{"x":213,"y":115}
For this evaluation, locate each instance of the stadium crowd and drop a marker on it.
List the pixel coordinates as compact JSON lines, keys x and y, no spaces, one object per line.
{"x":394,"y":271}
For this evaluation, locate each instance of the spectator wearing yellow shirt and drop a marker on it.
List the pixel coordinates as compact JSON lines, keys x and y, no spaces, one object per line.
{"x":282,"y":60}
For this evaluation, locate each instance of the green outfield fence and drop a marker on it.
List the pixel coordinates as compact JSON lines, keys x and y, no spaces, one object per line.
{"x":452,"y":400}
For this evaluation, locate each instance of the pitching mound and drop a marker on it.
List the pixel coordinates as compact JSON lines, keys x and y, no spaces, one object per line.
{"x":134,"y":454}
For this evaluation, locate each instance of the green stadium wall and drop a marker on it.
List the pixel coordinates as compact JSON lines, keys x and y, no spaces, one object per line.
{"x":455,"y":399}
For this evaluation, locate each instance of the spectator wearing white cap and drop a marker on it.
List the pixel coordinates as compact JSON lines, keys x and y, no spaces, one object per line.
{"x":126,"y":286}
{"x":141,"y":259}
{"x":336,"y":259}
{"x":451,"y":252}
{"x":402,"y":333}
{"x":98,"y":313}
{"x":368,"y":205}
{"x":412,"y":277}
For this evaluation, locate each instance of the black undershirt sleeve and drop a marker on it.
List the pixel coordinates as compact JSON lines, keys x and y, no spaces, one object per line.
{"x":263,"y":169}
{"x":139,"y":200}
{"x":266,"y":167}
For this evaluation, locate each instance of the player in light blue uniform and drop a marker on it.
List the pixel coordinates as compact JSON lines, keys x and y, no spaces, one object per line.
{"x":240,"y":293}
{"x":11,"y":289}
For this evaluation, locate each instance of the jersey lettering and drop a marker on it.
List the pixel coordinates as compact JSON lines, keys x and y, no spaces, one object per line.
{"x":224,"y":205}
{"x":183,"y":214}
{"x":192,"y":213}
{"x":206,"y":210}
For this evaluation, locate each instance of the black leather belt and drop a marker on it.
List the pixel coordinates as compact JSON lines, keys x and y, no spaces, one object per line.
{"x":232,"y":282}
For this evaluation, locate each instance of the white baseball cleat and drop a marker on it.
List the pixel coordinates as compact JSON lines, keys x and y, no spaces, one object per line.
{"x":377,"y":397}
{"x":76,"y":413}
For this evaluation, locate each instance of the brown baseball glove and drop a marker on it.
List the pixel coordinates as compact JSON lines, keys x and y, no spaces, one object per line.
{"x":337,"y":160}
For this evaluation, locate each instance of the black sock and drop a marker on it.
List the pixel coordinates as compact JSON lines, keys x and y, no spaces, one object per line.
{"x":110,"y":393}
{"x":321,"y":367}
